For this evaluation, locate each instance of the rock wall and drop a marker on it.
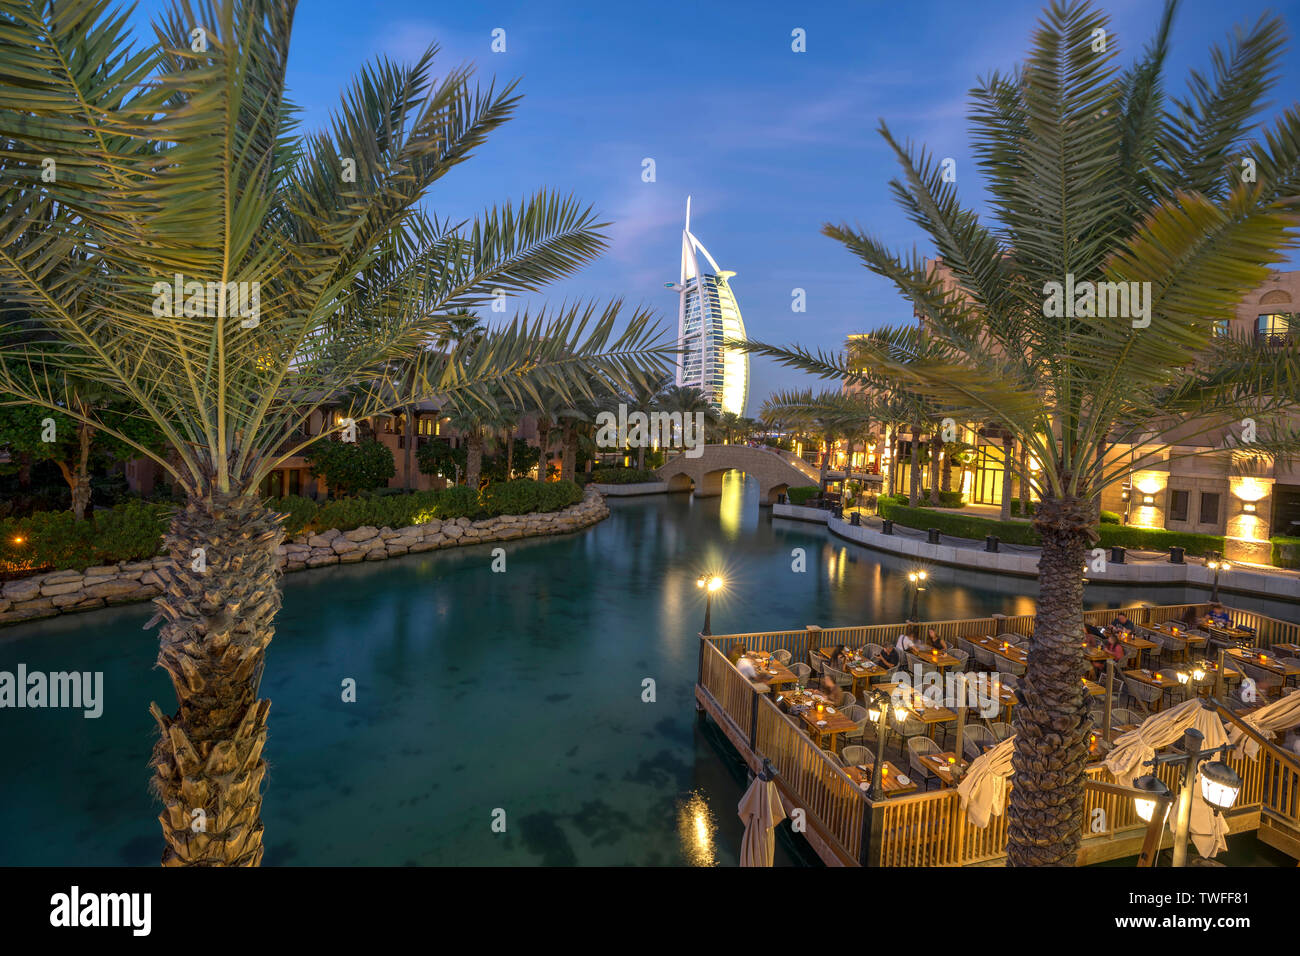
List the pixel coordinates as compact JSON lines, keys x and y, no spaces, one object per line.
{"x":65,"y":592}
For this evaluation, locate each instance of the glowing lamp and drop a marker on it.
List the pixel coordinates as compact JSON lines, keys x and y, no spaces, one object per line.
{"x":1219,"y":784}
{"x":1153,"y":788}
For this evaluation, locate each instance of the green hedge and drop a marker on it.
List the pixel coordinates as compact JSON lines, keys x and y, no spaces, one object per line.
{"x":298,"y":511}
{"x":131,"y":531}
{"x":957,"y":525}
{"x":622,"y":476}
{"x":1019,"y":532}
{"x":558,"y":494}
{"x":802,"y":493}
{"x":517,"y":497}
{"x":1286,"y":551}
{"x":1109,"y":517}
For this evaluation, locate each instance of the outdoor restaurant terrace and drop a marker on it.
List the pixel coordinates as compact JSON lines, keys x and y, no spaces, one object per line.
{"x":939,"y":725}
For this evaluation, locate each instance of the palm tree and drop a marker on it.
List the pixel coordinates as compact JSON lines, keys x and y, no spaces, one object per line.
{"x":178,"y":162}
{"x":687,"y":401}
{"x":1094,"y":177}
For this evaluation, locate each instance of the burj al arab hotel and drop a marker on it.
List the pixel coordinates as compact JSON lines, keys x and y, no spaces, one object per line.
{"x":707,"y":316}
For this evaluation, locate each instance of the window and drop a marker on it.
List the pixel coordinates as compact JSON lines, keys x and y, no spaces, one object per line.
{"x":1220,"y":326}
{"x":1209,"y":508}
{"x":1274,"y":327}
{"x":1178,"y":504}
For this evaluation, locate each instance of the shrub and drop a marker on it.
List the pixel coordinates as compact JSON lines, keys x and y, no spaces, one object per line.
{"x":556,"y":495}
{"x":1285,"y":551}
{"x":298,"y":511}
{"x":802,"y":493}
{"x":1109,"y":517}
{"x":458,"y":501}
{"x":960,"y":526}
{"x":516,"y":497}
{"x":947,"y":499}
{"x":350,"y":467}
{"x":130,"y":531}
{"x":1158,"y":539}
{"x":1015,"y":508}
{"x":379,"y":511}
{"x":622,"y":476}
{"x":341,"y":513}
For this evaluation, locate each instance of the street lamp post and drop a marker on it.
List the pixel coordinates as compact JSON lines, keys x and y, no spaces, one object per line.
{"x":1216,"y":564}
{"x":918,"y":585}
{"x":879,"y":712}
{"x":1219,"y":786}
{"x":709,"y":584}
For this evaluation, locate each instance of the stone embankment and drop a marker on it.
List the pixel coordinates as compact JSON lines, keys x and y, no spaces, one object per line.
{"x":64,"y":592}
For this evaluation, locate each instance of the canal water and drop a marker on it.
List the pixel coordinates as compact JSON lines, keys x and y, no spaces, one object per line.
{"x":481,"y":697}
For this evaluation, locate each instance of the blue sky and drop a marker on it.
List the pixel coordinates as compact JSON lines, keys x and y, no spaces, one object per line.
{"x":771,"y":143}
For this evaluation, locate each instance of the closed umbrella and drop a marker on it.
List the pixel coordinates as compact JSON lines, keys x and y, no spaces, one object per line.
{"x":761,"y":810}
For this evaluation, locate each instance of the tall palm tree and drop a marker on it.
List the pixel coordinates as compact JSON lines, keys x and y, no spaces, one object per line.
{"x":177,"y":161}
{"x":687,"y":401}
{"x":1093,"y":175}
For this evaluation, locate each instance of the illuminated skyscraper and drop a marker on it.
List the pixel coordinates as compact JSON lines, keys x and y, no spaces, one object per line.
{"x":707,"y":316}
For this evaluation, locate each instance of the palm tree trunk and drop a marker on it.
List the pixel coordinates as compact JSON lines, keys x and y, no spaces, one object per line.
{"x":1008,"y":458}
{"x":891,"y":440}
{"x":826,"y":458}
{"x":78,"y":476}
{"x":409,"y":453}
{"x":543,"y":445}
{"x":1045,"y":810}
{"x":473,"y":458}
{"x":510,"y":454}
{"x":1024,"y":480}
{"x":936,"y":445}
{"x":640,"y":457}
{"x":568,"y":451}
{"x":947,"y":470}
{"x":914,"y":492}
{"x":218,"y":621}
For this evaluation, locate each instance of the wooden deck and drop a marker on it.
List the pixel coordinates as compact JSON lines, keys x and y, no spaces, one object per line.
{"x":845,"y":827}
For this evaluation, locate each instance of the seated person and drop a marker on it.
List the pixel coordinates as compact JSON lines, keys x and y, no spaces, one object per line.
{"x":839,"y":657}
{"x":1189,"y":617}
{"x":934,"y":642}
{"x":904,"y":643}
{"x":737,"y":652}
{"x":1218,"y":615}
{"x":1095,"y":631}
{"x":829,"y":689}
{"x":747,"y":668}
{"x":1114,"y":648}
{"x":888,"y":658}
{"x":1122,"y":623}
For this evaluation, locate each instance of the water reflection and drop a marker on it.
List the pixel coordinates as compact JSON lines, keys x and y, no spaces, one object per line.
{"x":696,"y":828}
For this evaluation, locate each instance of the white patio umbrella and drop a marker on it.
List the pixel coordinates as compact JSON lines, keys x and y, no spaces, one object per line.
{"x":761,"y":810}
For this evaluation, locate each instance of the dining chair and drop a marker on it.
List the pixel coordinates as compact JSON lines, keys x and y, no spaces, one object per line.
{"x":1000,"y":730}
{"x":842,"y":680}
{"x":854,"y":755}
{"x":1122,"y":716}
{"x":802,"y":673}
{"x":984,"y":657}
{"x":783,"y":656}
{"x":834,"y":757}
{"x":1290,"y":662}
{"x":918,"y":747}
{"x":975,"y":739}
{"x":1267,"y":684}
{"x":962,"y":658}
{"x":906,"y":729}
{"x":846,"y":700}
{"x":858,"y":714}
{"x":1144,"y":695}
{"x":1008,"y":680}
{"x":870,"y":651}
{"x":816,"y":662}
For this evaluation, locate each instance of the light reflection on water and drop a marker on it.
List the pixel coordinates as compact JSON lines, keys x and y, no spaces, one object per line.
{"x":696,"y":828}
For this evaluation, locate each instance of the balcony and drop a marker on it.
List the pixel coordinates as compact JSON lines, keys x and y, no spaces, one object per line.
{"x":1274,"y":338}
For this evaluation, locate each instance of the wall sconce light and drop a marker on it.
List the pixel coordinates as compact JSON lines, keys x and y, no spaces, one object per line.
{"x":1147,"y":500}
{"x":1248,"y":507}
{"x":1123,"y":495}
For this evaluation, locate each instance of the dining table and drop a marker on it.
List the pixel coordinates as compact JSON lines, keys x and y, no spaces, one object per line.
{"x":770,"y":671}
{"x":945,"y":766}
{"x":1176,"y":631}
{"x":1164,"y":679}
{"x":861,"y":669}
{"x":1269,"y":662}
{"x":891,"y":779}
{"x":1138,"y":643}
{"x":821,"y":727}
{"x":1230,"y":633}
{"x":1004,"y":649}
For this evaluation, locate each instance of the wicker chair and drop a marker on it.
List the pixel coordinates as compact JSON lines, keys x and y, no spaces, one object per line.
{"x":1290,"y":662}
{"x":1267,"y":684}
{"x":1000,"y":730}
{"x":907,"y":729}
{"x":846,"y":699}
{"x":1008,"y":680}
{"x":984,"y":657}
{"x":962,"y":658}
{"x":842,"y":680}
{"x":918,"y":747}
{"x":834,"y":757}
{"x":816,"y":662}
{"x":870,"y":651}
{"x":975,"y":740}
{"x":782,"y":656}
{"x":854,"y":755}
{"x":802,"y":673}
{"x":1144,"y":695}
{"x":1122,"y":716}
{"x":858,"y":714}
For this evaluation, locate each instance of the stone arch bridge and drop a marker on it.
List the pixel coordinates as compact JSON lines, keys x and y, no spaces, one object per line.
{"x":776,"y":471}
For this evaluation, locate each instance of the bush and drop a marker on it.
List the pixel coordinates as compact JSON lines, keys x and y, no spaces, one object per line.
{"x":517,"y":497}
{"x":298,"y":511}
{"x":1158,"y":539}
{"x":1286,"y":551}
{"x":802,"y":493}
{"x":947,"y":499}
{"x":1109,"y":517}
{"x":458,"y":501}
{"x":350,"y":467}
{"x":1015,"y":508}
{"x":957,"y":525}
{"x":622,"y":476}
{"x":556,"y":495}
{"x":56,"y":540}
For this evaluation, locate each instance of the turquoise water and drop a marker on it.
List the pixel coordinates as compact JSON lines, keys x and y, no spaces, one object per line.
{"x":476,"y":691}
